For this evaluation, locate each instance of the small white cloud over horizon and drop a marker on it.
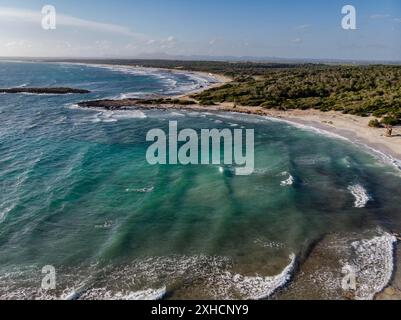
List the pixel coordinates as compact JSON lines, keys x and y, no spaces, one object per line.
{"x":379,"y":16}
{"x":297,"y":40}
{"x":302,"y":27}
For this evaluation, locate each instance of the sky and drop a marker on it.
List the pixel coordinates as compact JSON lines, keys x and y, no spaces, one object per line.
{"x":217,"y":28}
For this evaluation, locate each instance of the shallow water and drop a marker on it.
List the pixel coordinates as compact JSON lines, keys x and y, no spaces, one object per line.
{"x":78,"y":194}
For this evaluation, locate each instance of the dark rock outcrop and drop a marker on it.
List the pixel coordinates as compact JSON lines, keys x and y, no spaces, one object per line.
{"x":44,"y":90}
{"x":129,"y":103}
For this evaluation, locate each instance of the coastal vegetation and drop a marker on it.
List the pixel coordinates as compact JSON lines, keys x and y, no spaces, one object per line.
{"x":358,"y":90}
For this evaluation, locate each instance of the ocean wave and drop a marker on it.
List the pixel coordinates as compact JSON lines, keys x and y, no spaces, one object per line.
{"x":105,"y":294}
{"x":4,"y":212}
{"x":384,"y":157}
{"x":287,"y":182}
{"x":360,"y":194}
{"x":22,"y":85}
{"x":352,"y":266}
{"x":307,"y":128}
{"x":176,"y":114}
{"x":269,"y":244}
{"x":210,"y":278}
{"x":172,"y":85}
{"x":141,"y":190}
{"x":373,"y":265}
{"x":311,"y":160}
{"x":101,"y":115}
{"x":131,"y":95}
{"x":262,"y":171}
{"x":257,"y":288}
{"x":107,"y":225}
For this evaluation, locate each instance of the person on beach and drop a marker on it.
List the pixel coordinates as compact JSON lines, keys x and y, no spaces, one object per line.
{"x":389,"y":132}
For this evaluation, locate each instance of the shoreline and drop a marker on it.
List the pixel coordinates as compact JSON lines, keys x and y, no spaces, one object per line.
{"x":353,"y":128}
{"x":219,"y":79}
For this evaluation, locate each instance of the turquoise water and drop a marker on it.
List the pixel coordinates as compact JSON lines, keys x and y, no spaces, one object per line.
{"x":78,"y":194}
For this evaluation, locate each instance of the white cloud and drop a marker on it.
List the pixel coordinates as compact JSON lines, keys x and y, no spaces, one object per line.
{"x":216,"y":41}
{"x":29,"y":16}
{"x":297,"y":40}
{"x":18,"y":43}
{"x":379,"y":16}
{"x":302,"y":27}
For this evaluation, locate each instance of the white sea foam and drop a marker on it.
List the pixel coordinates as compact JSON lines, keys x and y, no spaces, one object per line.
{"x":287,"y":182}
{"x":197,"y":81}
{"x":177,"y":114}
{"x":131,"y":95}
{"x":257,"y":119}
{"x":269,"y":244}
{"x":307,"y":128}
{"x":105,"y":294}
{"x":386,"y":158}
{"x":212,"y":277}
{"x":110,"y":116}
{"x":311,"y":160}
{"x":361,"y":195}
{"x":254,"y":288}
{"x":5,"y":211}
{"x":141,"y":190}
{"x":262,"y":171}
{"x":106,"y":225}
{"x":373,"y":264}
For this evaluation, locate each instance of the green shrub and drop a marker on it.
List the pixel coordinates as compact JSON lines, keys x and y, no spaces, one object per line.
{"x":374,"y":123}
{"x":390,"y":121}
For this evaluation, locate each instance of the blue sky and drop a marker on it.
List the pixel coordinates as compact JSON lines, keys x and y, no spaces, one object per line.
{"x":156,"y":28}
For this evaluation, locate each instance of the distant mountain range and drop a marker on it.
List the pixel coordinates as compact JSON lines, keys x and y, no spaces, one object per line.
{"x":165,"y":56}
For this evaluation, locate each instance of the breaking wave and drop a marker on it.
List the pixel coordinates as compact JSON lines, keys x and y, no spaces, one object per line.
{"x":104,"y":294}
{"x":360,"y":194}
{"x":209,"y":277}
{"x":141,"y":190}
{"x":373,"y":264}
{"x":194,"y":81}
{"x":287,"y":182}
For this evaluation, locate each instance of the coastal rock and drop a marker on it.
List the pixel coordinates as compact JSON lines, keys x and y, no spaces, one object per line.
{"x":59,"y":90}
{"x":149,"y":103}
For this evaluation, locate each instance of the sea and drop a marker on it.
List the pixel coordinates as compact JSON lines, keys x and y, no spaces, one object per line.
{"x":78,"y":197}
